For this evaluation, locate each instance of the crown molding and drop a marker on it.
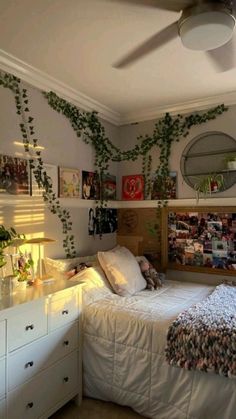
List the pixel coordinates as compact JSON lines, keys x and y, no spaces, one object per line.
{"x":182,"y":107}
{"x":43,"y":81}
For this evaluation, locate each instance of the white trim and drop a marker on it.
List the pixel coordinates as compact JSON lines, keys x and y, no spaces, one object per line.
{"x":43,"y":81}
{"x":183,"y":107}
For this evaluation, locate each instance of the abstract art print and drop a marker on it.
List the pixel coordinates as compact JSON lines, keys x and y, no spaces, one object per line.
{"x":69,"y":181}
{"x":132,"y":187}
{"x":14,"y":175}
{"x":202,"y":238}
{"x":90,"y":185}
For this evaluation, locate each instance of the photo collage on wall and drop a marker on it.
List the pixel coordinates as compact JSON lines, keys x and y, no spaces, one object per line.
{"x":202,"y":239}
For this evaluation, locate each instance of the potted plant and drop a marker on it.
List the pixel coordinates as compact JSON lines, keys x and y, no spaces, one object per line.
{"x":7,"y":237}
{"x":230,"y":160}
{"x":211,"y":183}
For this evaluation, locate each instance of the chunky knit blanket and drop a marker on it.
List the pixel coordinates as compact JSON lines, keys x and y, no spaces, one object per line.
{"x":204,"y":336}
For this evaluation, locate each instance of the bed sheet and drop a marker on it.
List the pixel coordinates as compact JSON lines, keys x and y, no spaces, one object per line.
{"x":124,"y":359}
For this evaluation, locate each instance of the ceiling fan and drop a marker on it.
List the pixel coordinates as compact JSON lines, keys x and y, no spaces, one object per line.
{"x":204,"y":25}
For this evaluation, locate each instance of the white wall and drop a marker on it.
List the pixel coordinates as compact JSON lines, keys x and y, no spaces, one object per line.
{"x":62,"y":148}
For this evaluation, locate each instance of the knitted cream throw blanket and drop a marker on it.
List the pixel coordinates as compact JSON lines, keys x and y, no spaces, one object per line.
{"x":204,"y":336}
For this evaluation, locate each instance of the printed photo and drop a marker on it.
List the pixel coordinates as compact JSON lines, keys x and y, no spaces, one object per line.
{"x":69,"y":181}
{"x":14,"y":175}
{"x":102,"y":221}
{"x":52,"y":172}
{"x":90,"y":185}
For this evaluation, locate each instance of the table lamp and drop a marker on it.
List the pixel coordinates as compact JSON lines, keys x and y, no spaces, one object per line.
{"x":40,"y":241}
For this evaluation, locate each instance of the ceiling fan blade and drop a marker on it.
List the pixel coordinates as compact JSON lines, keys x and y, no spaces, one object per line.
{"x":224,"y":57}
{"x":174,"y":5}
{"x":156,"y":41}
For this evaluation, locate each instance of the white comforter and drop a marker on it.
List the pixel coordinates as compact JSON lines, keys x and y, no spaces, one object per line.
{"x":124,"y":360}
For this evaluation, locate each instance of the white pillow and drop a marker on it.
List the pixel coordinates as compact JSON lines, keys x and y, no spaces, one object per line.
{"x":122,"y":270}
{"x":57,"y":268}
{"x":95,"y":284}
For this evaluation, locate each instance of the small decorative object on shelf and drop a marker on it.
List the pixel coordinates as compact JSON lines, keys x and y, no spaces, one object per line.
{"x":231,"y":161}
{"x":206,"y":185}
{"x":24,"y":270}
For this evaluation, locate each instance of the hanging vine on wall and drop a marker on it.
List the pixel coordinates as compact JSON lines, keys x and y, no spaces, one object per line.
{"x":36,"y":165}
{"x":168,"y":130}
{"x":87,"y":126}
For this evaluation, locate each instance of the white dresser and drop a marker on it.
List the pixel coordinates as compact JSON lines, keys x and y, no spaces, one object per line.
{"x":40,"y":350}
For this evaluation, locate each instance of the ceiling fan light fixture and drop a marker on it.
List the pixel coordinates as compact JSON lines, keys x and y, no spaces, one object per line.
{"x":207,"y":30}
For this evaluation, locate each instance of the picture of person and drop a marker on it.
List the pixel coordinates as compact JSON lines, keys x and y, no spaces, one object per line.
{"x":90,"y":185}
{"x":14,"y":176}
{"x":91,"y":222}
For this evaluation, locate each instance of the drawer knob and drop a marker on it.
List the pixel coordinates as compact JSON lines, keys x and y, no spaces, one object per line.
{"x":66,"y":343}
{"x":29,"y":364}
{"x":30,"y":405}
{"x":66,"y":379}
{"x":65,"y":312}
{"x":29,"y":327}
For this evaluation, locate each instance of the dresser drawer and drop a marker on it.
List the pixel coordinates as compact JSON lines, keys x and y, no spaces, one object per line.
{"x":28,"y":325}
{"x":36,"y":397}
{"x":30,"y":360}
{"x":63,"y":310}
{"x":2,"y":338}
{"x":3,"y":409}
{"x":2,"y":378}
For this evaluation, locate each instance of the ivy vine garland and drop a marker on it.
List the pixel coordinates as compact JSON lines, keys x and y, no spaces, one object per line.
{"x":36,"y":165}
{"x":168,"y":130}
{"x":87,"y":126}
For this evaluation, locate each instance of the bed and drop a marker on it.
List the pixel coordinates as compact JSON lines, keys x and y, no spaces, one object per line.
{"x":124,"y":361}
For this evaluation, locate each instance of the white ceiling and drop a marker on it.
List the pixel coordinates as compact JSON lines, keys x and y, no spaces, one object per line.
{"x":78,"y":41}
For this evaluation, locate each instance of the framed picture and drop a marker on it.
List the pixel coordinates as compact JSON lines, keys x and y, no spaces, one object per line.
{"x":109,"y":187}
{"x":102,"y":221}
{"x":170,"y":186}
{"x":14,"y":175}
{"x":201,"y":239}
{"x":90,"y":185}
{"x":52,"y":172}
{"x":133,"y":187}
{"x":69,"y":183}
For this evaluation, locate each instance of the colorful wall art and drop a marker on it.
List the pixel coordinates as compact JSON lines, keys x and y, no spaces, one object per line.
{"x":205,"y":238}
{"x":14,"y":175}
{"x":90,"y":185}
{"x":133,"y":187}
{"x":69,"y":181}
{"x":170,"y":186}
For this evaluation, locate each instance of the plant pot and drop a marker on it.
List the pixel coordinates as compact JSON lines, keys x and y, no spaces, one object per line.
{"x":231,"y":165}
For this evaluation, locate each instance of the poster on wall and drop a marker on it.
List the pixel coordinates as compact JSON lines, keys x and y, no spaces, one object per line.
{"x":102,"y":221}
{"x":170,"y":186}
{"x":202,"y":239}
{"x":109,"y":187}
{"x":14,"y":175}
{"x":133,"y":187}
{"x":69,"y":183}
{"x":90,"y":185}
{"x":52,"y":172}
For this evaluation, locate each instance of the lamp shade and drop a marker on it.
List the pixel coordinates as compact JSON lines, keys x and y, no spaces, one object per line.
{"x":39,"y":240}
{"x":207,"y":30}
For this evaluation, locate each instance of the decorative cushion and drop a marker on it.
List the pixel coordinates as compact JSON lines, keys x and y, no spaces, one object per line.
{"x":58,"y":268}
{"x":122,"y":271}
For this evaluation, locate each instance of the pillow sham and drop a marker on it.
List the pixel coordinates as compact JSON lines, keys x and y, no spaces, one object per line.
{"x":58,"y":268}
{"x":122,"y":271}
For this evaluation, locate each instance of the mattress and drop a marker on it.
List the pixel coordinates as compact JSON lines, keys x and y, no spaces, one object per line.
{"x":124,"y":340}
